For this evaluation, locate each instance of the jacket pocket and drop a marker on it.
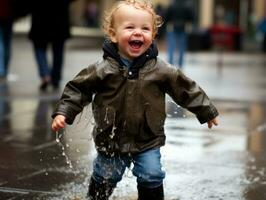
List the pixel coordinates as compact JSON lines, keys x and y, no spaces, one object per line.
{"x":155,"y":121}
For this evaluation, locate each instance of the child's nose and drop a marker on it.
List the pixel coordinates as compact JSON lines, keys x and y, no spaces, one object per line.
{"x":137,"y":32}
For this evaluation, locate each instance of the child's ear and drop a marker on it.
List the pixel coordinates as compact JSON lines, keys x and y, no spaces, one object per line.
{"x":112,"y":35}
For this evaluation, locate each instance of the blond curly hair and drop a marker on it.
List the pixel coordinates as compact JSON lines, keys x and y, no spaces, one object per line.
{"x":108,"y":18}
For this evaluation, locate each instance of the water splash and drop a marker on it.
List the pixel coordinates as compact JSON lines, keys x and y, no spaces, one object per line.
{"x":106,"y":116}
{"x":106,"y":119}
{"x":113,"y":128}
{"x":68,"y":161}
{"x":84,"y":121}
{"x":173,"y":110}
{"x":129,"y":171}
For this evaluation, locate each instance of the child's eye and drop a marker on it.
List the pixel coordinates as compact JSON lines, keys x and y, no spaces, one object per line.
{"x":129,"y":27}
{"x":146,"y":28}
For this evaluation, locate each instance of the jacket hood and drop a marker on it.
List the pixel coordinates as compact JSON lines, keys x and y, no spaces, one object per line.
{"x":110,"y":50}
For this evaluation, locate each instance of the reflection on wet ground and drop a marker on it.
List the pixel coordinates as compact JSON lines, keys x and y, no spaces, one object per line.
{"x":228,"y":162}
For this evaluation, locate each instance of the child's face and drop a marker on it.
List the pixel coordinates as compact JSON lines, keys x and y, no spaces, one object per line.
{"x":132,"y":31}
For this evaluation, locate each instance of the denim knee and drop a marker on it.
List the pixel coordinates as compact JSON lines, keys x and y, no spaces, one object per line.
{"x":148,"y":169}
{"x":109,"y":169}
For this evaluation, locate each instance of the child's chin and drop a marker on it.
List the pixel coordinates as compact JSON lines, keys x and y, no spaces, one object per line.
{"x":136,"y":54}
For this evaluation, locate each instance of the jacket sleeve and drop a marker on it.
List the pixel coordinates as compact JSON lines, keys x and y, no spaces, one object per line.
{"x":188,"y":94}
{"x":77,"y":94}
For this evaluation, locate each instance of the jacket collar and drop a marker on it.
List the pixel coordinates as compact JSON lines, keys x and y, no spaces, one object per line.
{"x":110,"y":50}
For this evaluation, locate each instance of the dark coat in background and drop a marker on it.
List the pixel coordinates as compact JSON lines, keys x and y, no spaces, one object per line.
{"x":50,"y":20}
{"x":5,"y":10}
{"x":179,"y":13}
{"x":6,"y":24}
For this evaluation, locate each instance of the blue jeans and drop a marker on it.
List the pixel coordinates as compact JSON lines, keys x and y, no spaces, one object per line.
{"x":147,"y":168}
{"x":5,"y":43}
{"x":176,"y":40}
{"x":54,"y":71}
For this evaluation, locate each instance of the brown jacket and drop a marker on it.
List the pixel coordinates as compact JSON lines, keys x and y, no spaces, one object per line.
{"x":130,"y":113}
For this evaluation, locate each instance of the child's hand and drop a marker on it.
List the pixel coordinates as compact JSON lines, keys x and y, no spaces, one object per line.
{"x":58,"y":123}
{"x":212,"y":122}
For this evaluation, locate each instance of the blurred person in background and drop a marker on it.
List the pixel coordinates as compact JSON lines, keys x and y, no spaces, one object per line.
{"x":92,"y":14}
{"x":6,"y":22}
{"x":178,"y":18}
{"x":50,"y":25}
{"x":262,"y":29}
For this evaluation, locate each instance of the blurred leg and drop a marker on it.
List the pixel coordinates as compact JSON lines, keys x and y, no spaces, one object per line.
{"x":40,"y":53}
{"x":58,"y":59}
{"x":171,"y":45}
{"x":181,"y":46}
{"x":7,"y":44}
{"x":264,"y":43}
{"x":2,"y":60}
{"x":40,"y":49}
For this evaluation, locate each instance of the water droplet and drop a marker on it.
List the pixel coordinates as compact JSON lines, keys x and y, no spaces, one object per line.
{"x":46,"y":173}
{"x":67,"y":145}
{"x":112,"y":154}
{"x":256,"y":179}
{"x":63,"y":153}
{"x":57,"y":140}
{"x":77,"y":150}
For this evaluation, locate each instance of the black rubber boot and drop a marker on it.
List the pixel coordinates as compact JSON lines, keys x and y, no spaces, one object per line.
{"x":150,"y":193}
{"x":99,"y":191}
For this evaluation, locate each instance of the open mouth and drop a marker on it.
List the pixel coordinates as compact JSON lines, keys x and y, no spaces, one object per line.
{"x":135,"y":44}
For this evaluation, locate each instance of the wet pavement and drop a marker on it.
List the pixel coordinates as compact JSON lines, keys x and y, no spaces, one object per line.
{"x":226,"y":163}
